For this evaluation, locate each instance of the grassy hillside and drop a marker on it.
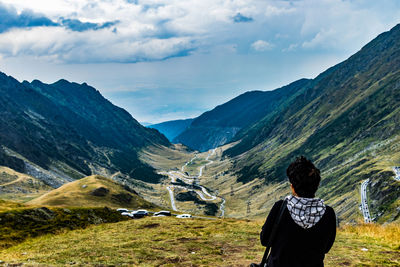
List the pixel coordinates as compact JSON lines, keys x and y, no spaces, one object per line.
{"x":6,"y":205}
{"x":193,"y":242}
{"x":20,"y":222}
{"x":19,"y":186}
{"x":92,"y":191}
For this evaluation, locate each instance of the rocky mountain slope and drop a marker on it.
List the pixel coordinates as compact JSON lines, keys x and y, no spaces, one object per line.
{"x":19,"y":186}
{"x":64,"y":131}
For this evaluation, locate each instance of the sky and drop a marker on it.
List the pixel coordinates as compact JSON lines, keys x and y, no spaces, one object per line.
{"x":175,"y":59}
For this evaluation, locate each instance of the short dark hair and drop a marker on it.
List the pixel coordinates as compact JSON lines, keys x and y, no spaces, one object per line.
{"x":304,"y":177}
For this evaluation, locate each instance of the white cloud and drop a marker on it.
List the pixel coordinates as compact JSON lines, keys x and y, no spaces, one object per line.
{"x":151,"y":30}
{"x":91,"y":46}
{"x":261,"y":45}
{"x":281,"y":8}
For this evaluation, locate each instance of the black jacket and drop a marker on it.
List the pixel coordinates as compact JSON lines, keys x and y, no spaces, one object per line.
{"x":295,"y":246}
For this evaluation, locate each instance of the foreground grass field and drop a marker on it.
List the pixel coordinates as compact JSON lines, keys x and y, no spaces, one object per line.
{"x":194,"y":242}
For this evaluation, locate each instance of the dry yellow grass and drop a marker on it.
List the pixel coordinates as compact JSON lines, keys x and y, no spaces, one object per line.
{"x":79,"y":194}
{"x":388,"y":233}
{"x":6,"y":205}
{"x":166,"y":158}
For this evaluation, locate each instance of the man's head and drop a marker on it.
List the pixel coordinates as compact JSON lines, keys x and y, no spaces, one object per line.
{"x":304,"y":177}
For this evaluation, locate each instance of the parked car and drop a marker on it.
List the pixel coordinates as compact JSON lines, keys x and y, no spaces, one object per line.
{"x":184,"y":216}
{"x":122,"y":210}
{"x":140,"y":213}
{"x":162,"y":213}
{"x":129,"y":214}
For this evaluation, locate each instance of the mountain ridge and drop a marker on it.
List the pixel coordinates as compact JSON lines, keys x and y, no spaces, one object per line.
{"x":172,"y":129}
{"x":221,"y":124}
{"x":70,"y":130}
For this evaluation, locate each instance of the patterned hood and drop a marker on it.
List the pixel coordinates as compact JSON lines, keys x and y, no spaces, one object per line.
{"x":306,"y":212}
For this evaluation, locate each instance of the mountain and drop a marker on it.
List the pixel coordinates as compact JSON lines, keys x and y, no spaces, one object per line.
{"x":92,"y":191}
{"x":64,"y":131}
{"x":172,"y":129}
{"x":220,"y":125}
{"x":347,"y":122}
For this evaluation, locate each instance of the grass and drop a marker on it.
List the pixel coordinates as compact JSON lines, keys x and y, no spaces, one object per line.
{"x":6,"y":205}
{"x":80,"y":194}
{"x":166,"y":158}
{"x":19,"y":224}
{"x":194,"y":242}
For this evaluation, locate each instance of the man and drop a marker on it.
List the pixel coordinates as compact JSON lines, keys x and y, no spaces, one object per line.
{"x":307,"y":228}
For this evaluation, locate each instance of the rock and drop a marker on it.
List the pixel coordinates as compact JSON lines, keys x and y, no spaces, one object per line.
{"x":67,"y":211}
{"x":100,"y":192}
{"x":45,"y":213}
{"x":84,"y":186}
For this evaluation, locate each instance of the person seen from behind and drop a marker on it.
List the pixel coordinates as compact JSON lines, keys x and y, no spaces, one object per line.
{"x":307,"y":227}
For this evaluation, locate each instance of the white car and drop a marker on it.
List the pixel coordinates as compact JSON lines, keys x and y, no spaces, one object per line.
{"x":184,"y":216}
{"x":122,"y":210}
{"x":127,"y":214}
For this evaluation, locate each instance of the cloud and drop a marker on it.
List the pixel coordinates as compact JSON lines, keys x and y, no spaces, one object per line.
{"x":240,"y":18}
{"x":79,"y":26}
{"x":89,"y":31}
{"x":62,"y":45}
{"x":11,"y":19}
{"x":261,"y":45}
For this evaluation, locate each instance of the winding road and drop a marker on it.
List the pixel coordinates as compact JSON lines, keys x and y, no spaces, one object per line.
{"x":190,"y":181}
{"x":364,"y":200}
{"x":364,"y":204}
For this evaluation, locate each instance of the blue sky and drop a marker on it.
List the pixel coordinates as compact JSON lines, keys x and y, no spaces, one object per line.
{"x":164,"y":60}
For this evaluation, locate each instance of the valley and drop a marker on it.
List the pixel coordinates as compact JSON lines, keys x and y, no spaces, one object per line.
{"x":207,"y":175}
{"x":191,"y":183}
{"x":178,"y":155}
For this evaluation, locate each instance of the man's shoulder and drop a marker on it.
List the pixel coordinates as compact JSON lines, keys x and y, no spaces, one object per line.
{"x":330,"y":209}
{"x":278,"y":204}
{"x":330,"y":212}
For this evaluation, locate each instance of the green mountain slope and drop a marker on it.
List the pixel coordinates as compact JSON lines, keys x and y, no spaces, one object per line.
{"x":220,"y":125}
{"x":64,"y":131}
{"x":172,"y":129}
{"x":347,"y":122}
